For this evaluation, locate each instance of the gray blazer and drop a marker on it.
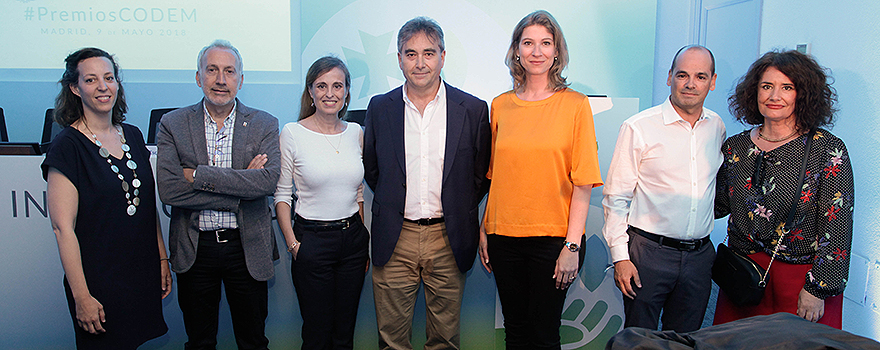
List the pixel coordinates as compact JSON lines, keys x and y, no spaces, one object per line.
{"x":182,"y":144}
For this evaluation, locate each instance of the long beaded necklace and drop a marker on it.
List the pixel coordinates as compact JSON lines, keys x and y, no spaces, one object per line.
{"x":130,"y":197}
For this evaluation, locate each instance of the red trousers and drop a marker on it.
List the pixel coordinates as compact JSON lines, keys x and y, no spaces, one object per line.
{"x":784,"y":283}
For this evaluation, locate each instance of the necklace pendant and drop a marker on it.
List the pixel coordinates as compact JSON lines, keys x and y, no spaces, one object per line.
{"x":337,"y":152}
{"x":135,"y":183}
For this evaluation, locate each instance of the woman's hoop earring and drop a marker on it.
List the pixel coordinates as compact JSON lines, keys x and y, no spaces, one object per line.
{"x":517,"y":58}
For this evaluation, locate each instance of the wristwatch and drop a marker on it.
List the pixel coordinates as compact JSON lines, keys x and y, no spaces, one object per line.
{"x":572,"y":246}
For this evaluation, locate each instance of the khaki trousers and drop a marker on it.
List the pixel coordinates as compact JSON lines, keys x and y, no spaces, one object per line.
{"x":423,"y":255}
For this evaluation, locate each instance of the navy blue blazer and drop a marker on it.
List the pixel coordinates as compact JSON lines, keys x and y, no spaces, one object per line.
{"x":468,"y":139}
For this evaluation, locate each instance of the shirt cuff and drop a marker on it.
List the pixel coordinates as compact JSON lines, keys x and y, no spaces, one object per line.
{"x":283,"y":199}
{"x":619,"y":252}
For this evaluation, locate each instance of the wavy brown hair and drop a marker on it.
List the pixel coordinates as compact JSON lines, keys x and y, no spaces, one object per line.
{"x":321,"y":66}
{"x":815,"y":99}
{"x":69,"y":106}
{"x":546,"y":20}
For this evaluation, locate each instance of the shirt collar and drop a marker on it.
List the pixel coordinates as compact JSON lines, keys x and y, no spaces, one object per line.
{"x":230,"y":119}
{"x":441,"y":93}
{"x":670,"y":115}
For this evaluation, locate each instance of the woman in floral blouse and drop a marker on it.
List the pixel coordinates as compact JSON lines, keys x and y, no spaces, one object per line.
{"x":785,"y":95}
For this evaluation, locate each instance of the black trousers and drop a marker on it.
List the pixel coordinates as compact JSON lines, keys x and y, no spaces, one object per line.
{"x":198,"y":293}
{"x":530,"y":302}
{"x":678,"y":282}
{"x":328,"y":274}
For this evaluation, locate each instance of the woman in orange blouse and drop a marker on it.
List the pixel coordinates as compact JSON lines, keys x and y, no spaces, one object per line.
{"x":544,"y":164}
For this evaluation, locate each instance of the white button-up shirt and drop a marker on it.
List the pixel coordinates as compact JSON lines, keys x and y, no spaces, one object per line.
{"x":424,"y":141}
{"x":662,"y":177}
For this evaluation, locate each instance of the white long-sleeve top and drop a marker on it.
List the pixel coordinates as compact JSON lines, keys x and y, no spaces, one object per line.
{"x":328,"y":185}
{"x":662,"y":177}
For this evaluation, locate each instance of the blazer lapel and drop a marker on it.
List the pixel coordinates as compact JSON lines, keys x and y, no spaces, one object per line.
{"x":240,"y":136}
{"x":197,"y":130}
{"x":396,"y":122}
{"x":455,"y":114}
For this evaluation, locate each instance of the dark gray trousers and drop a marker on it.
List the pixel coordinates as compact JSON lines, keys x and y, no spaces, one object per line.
{"x":677,"y":282}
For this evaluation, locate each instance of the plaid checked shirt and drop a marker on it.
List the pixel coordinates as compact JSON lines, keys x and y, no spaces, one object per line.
{"x":220,"y":155}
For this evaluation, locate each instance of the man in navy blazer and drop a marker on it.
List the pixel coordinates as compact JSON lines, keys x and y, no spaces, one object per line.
{"x":426,"y":153}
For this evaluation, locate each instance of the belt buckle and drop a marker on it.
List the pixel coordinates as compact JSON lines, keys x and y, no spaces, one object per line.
{"x":217,"y":233}
{"x":688,"y":245}
{"x":346,"y":224}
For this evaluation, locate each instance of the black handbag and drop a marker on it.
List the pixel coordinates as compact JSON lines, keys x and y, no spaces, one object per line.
{"x":741,"y":278}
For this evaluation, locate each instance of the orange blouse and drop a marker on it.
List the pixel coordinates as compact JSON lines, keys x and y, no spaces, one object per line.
{"x":540,"y":151}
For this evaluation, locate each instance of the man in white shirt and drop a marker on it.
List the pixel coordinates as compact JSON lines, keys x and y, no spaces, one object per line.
{"x":426,"y":154}
{"x":659,"y":200}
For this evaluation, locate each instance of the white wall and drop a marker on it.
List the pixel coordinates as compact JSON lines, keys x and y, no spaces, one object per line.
{"x":673,"y":31}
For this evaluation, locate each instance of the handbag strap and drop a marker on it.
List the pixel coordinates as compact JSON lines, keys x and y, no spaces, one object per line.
{"x":791,"y":212}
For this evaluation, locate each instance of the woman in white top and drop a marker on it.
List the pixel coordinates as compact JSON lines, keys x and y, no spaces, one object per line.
{"x":321,"y":161}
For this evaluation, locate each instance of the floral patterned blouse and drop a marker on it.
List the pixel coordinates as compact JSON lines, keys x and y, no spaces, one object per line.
{"x":756,"y":189}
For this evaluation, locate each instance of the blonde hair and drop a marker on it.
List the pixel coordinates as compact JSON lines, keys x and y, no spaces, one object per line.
{"x":546,"y":20}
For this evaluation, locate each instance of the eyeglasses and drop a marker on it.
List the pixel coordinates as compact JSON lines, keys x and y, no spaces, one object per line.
{"x":219,"y":136}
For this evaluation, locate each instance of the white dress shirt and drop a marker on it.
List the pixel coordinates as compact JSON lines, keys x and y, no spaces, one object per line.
{"x":665,"y":170}
{"x":424,"y":141}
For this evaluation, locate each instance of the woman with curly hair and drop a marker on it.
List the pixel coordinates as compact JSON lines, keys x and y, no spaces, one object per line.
{"x":787,"y":97}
